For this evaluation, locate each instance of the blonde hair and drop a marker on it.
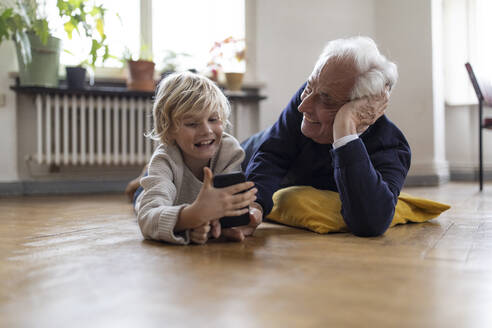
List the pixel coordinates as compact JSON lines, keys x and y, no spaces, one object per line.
{"x":184,"y":93}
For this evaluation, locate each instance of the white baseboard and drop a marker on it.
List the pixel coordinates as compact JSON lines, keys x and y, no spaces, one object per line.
{"x":62,"y":187}
{"x":469,"y":172}
{"x":431,"y":173}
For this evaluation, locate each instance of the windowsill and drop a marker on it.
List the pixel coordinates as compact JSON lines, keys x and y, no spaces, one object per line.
{"x":117,"y":76}
{"x":118,"y":88}
{"x":460,"y":104}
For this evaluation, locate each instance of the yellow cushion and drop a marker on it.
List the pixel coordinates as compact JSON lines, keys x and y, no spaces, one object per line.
{"x":319,"y":210}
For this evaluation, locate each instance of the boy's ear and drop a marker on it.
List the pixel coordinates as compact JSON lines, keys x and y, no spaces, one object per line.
{"x":172,"y":134}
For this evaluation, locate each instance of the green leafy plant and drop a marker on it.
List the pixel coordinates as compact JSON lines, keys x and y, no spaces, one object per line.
{"x":126,"y":55}
{"x":87,"y":21}
{"x":17,"y":20}
{"x":145,"y":54}
{"x":172,"y":60}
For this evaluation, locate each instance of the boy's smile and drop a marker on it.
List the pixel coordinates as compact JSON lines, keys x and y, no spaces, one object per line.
{"x":205,"y":143}
{"x":206,"y":147}
{"x":199,"y":137}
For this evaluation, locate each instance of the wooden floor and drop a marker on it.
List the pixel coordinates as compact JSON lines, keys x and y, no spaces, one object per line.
{"x":80,"y":261}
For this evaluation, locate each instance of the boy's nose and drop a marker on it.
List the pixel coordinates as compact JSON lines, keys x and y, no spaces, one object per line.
{"x":206,"y":128}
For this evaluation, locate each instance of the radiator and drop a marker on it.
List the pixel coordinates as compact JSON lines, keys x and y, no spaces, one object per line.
{"x":93,"y":130}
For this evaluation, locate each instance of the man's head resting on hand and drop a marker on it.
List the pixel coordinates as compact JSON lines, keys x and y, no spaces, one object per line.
{"x":346,"y":70}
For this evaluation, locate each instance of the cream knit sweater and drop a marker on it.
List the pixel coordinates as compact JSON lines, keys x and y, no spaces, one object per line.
{"x":170,"y":185}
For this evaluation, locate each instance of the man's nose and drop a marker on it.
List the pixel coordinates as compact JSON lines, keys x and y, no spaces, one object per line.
{"x":306,"y":104}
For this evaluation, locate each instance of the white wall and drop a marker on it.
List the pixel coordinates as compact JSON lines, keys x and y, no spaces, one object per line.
{"x":462,"y":141}
{"x":8,"y":130}
{"x":409,"y":33}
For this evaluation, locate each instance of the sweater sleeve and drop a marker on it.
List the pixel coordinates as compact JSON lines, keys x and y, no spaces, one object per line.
{"x":277,"y":150}
{"x":157,"y":216}
{"x":369,"y":185}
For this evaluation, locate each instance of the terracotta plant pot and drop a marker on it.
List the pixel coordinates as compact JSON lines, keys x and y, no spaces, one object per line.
{"x":141,"y":75}
{"x":234,"y":81}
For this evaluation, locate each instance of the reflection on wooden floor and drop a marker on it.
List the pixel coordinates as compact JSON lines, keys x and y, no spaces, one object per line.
{"x":81,"y":261}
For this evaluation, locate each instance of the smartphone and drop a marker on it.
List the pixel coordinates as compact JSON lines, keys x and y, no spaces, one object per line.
{"x":225,"y":180}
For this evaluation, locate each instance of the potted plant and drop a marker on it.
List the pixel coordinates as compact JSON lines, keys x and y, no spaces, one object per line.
{"x":228,"y":56}
{"x":38,"y":52}
{"x":88,"y":22}
{"x":171,"y":62}
{"x":140,"y":71}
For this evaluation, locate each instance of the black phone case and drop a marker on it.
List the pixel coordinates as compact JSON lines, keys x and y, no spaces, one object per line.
{"x":225,"y":180}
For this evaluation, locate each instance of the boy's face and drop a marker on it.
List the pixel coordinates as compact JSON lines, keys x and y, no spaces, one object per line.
{"x":199,"y":136}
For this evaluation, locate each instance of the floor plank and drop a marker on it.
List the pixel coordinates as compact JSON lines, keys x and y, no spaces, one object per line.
{"x":82,"y":260}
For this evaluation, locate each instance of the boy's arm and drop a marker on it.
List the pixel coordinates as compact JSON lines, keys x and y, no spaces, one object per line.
{"x":157,"y":216}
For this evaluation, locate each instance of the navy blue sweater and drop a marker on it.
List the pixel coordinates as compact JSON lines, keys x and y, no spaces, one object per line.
{"x":368,"y":173}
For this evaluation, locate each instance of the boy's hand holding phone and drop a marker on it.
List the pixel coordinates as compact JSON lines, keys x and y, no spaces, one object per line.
{"x":239,"y":233}
{"x":230,"y":179}
{"x":215,"y":203}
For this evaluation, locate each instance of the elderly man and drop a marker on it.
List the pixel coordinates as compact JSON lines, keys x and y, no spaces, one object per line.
{"x":333,"y":136}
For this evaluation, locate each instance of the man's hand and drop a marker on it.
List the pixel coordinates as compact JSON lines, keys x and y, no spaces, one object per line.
{"x":239,"y":233}
{"x":357,"y":115}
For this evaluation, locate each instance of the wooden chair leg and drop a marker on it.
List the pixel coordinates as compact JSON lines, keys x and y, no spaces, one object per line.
{"x":480,"y":150}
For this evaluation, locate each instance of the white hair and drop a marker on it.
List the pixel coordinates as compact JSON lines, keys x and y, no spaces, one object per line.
{"x":375,"y":71}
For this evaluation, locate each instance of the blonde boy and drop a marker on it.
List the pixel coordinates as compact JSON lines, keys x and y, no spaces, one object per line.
{"x":179,"y":203}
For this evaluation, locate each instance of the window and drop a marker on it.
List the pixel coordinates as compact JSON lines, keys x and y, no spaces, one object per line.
{"x":466,"y":36}
{"x":122,"y":27}
{"x":192,"y":27}
{"x":186,"y":26}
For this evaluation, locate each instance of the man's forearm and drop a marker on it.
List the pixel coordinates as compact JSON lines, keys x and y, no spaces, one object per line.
{"x":368,"y":203}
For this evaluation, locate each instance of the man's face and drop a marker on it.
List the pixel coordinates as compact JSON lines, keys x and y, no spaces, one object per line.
{"x":323,"y":97}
